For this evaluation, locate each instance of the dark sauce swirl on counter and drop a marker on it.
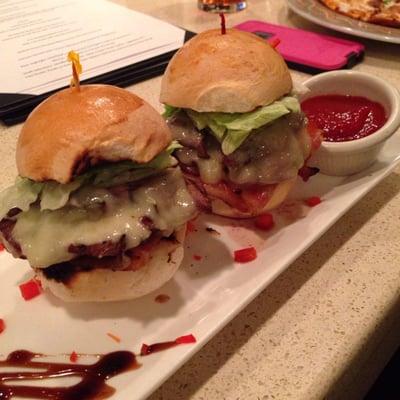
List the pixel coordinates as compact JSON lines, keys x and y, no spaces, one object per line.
{"x":93,"y":376}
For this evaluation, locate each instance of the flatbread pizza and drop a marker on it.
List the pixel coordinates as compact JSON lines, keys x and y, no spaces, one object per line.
{"x":389,"y":14}
{"x":382,"y":12}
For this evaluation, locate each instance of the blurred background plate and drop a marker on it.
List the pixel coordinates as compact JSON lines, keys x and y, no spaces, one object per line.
{"x":316,"y":12}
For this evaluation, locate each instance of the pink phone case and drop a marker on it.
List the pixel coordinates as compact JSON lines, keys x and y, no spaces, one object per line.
{"x":308,"y":49}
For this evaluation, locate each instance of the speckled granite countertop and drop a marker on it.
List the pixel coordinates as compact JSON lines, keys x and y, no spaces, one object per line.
{"x":327,"y":325}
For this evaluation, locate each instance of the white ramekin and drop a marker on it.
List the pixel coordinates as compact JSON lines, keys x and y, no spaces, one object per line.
{"x":346,"y":158}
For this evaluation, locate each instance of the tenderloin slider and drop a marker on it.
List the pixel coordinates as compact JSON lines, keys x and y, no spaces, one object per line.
{"x":229,"y":102}
{"x":99,"y":208}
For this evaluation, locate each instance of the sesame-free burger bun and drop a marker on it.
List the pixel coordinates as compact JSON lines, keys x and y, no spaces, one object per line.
{"x":73,"y":128}
{"x":99,"y":285}
{"x":234,"y":72}
{"x":279,"y":195}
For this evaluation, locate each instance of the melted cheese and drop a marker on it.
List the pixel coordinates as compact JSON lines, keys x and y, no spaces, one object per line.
{"x":45,"y":236}
{"x":211,"y":169}
{"x":271,"y":155}
{"x":282,"y":151}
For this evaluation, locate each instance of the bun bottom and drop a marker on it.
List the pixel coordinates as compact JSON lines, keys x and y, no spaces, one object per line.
{"x":101,"y":284}
{"x":281,"y":191}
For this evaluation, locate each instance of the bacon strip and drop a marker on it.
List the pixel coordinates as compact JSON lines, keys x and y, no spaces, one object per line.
{"x":250,"y":199}
{"x":197,"y":191}
{"x":245,"y":199}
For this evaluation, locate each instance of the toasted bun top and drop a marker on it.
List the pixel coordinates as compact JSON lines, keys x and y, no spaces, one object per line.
{"x":74,"y":129}
{"x":235,"y":72}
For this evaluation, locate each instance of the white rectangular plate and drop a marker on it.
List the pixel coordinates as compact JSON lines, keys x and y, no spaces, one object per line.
{"x":205,"y":295}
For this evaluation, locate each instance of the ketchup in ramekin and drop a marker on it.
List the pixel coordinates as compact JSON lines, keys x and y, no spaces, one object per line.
{"x":343,"y":117}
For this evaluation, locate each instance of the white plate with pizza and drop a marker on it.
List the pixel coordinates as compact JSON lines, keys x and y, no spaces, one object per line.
{"x":378,"y":20}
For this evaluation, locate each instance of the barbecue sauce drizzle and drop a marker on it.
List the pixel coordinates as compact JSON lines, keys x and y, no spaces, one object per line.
{"x":148,"y":349}
{"x":92,"y":385}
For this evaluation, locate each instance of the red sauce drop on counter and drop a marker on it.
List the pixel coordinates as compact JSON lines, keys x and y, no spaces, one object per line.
{"x":343,"y":118}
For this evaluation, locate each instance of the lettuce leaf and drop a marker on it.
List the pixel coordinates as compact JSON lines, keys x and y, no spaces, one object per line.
{"x":169,"y":111}
{"x":54,"y":195}
{"x":21,"y":195}
{"x":252,"y":120}
{"x":292,"y":103}
{"x":231,"y":130}
{"x":128,"y":171}
{"x":200,"y":120}
{"x":233,"y":141}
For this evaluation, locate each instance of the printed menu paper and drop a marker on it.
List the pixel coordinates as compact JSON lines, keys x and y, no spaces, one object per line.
{"x":36,"y":35}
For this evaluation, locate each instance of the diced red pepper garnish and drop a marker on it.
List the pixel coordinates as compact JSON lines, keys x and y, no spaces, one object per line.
{"x":114,"y":337}
{"x":313,"y":201}
{"x":265,"y":222}
{"x":185,"y":339}
{"x":30,"y":289}
{"x":2,"y":325}
{"x":197,"y":257}
{"x":73,"y":357}
{"x":190,"y":227}
{"x":245,"y":255}
{"x":1,"y":246}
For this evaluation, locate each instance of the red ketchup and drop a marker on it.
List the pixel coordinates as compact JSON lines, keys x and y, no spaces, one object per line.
{"x":343,"y":117}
